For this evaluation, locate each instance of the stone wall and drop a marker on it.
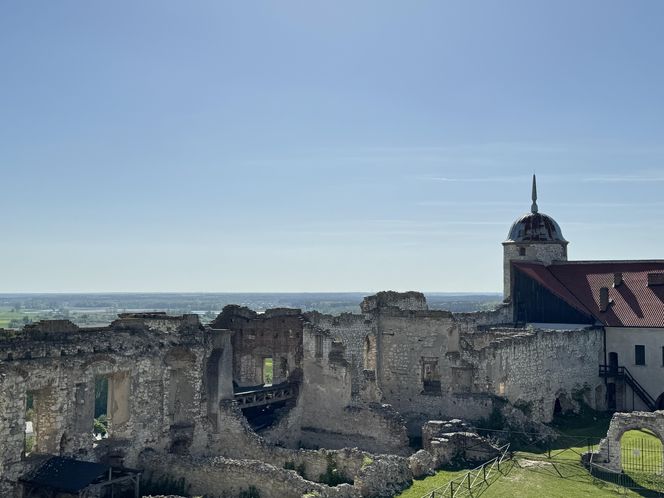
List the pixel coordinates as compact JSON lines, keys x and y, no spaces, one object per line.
{"x":452,"y":441}
{"x":374,"y":477}
{"x":327,"y":414}
{"x":157,"y":393}
{"x":531,"y":368}
{"x":275,"y":334}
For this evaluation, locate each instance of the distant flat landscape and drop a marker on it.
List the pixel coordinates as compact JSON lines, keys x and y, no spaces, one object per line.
{"x":17,"y":310}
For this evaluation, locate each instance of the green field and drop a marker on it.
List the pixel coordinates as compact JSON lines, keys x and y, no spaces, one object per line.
{"x":7,"y":315}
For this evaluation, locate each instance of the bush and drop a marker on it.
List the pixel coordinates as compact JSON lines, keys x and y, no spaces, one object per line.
{"x":100,"y":426}
{"x":332,"y":476}
{"x":300,"y":469}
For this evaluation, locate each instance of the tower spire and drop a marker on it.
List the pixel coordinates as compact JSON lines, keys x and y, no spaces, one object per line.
{"x":533,"y":207}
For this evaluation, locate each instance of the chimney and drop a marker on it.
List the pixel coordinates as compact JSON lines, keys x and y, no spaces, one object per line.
{"x":617,"y":279}
{"x":655,"y":279}
{"x":603,"y":299}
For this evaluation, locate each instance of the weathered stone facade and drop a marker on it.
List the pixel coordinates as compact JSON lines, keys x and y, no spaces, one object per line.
{"x":363,"y":380}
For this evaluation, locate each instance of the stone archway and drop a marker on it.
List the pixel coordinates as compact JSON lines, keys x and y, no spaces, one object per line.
{"x":609,"y":452}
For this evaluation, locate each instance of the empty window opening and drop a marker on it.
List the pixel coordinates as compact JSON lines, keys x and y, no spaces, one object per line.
{"x":100,"y":423}
{"x":212,"y":373}
{"x":268,"y":371}
{"x":522,"y":251}
{"x":180,"y":398}
{"x":283,"y":368}
{"x":369,"y":353}
{"x":39,"y":429}
{"x":319,"y":346}
{"x":639,"y":354}
{"x":430,"y":375}
{"x":30,"y":424}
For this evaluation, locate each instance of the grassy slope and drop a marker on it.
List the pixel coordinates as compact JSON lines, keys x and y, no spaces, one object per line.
{"x":536,"y":479}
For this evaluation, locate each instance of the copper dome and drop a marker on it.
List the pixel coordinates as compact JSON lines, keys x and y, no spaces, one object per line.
{"x":535,"y":227}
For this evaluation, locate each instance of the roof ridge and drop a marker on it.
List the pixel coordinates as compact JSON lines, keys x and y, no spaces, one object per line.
{"x":605,"y":261}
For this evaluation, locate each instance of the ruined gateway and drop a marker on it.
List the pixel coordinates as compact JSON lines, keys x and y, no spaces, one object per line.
{"x":177,"y":389}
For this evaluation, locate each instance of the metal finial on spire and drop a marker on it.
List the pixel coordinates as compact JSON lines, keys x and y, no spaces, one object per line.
{"x":533,"y":208}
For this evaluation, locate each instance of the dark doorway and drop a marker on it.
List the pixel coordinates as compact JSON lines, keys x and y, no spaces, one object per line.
{"x":613,"y":363}
{"x":557,"y":408}
{"x":611,"y":396}
{"x":660,"y":402}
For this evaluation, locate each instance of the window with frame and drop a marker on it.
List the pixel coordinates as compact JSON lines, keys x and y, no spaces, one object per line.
{"x":639,"y":354}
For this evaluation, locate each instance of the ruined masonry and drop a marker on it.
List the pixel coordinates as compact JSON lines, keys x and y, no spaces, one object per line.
{"x":283,"y":399}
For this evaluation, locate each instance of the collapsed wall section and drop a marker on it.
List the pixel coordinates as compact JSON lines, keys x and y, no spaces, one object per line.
{"x":142,"y":373}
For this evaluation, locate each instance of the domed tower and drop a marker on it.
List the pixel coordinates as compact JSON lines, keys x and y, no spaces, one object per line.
{"x":533,"y":237}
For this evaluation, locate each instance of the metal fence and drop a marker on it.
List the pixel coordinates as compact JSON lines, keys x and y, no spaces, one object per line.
{"x":641,"y":455}
{"x":473,"y":482}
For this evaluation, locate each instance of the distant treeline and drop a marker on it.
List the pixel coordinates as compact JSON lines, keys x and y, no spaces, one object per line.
{"x":334,"y":303}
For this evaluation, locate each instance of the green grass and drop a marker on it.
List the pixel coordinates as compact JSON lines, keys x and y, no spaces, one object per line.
{"x":7,"y":315}
{"x":536,"y":477}
{"x":422,"y":486}
{"x":642,"y":449}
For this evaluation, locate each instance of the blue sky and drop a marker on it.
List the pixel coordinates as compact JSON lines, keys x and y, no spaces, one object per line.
{"x":321,"y":146}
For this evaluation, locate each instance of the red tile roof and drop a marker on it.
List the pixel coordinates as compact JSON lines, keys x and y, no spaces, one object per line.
{"x":633,"y":303}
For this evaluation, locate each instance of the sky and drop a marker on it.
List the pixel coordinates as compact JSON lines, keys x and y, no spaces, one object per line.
{"x":303,"y":146}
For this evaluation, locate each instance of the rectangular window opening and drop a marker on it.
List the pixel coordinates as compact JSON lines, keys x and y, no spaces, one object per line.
{"x":430,"y":375}
{"x":319,"y":346}
{"x":268,"y":371}
{"x":30,"y":438}
{"x":100,"y":423}
{"x":639,"y":354}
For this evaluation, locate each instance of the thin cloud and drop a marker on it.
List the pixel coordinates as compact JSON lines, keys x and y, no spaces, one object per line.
{"x":625,"y":179}
{"x":486,"y":179}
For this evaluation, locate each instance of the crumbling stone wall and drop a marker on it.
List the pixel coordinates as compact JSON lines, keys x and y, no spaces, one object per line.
{"x":438,"y":364}
{"x":153,"y":364}
{"x":275,"y":334}
{"x":451,"y":441}
{"x":327,"y":415}
{"x":362,"y":379}
{"x":373,"y":476}
{"x":531,"y":368}
{"x":351,"y":331}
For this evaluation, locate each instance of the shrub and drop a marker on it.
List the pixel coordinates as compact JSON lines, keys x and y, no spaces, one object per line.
{"x":332,"y":476}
